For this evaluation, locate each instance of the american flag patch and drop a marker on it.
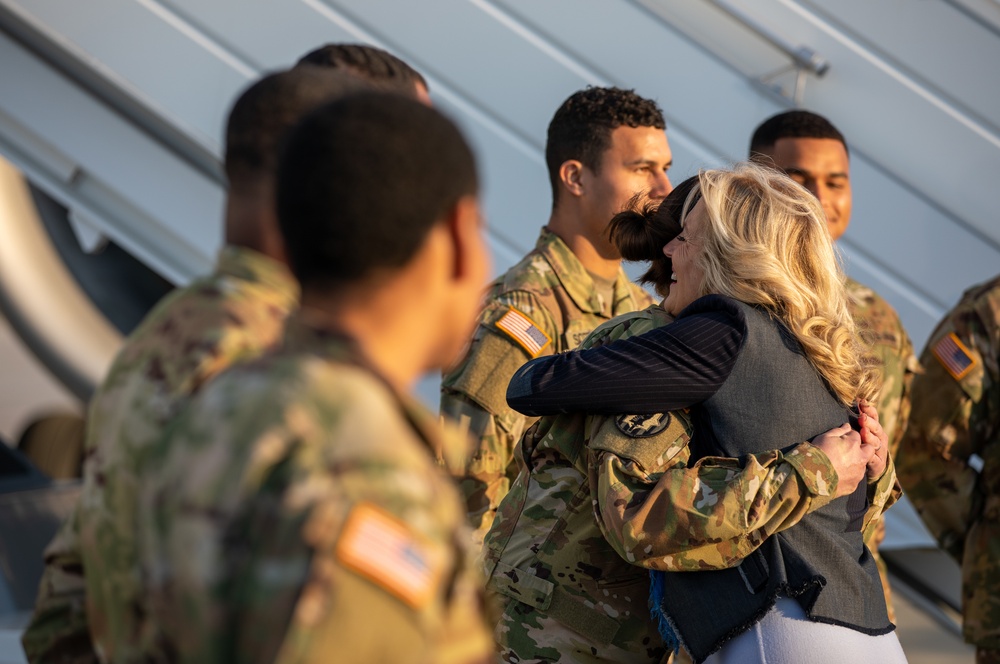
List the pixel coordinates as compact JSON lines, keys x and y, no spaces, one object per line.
{"x":381,"y":548}
{"x":520,"y":328}
{"x":954,"y":355}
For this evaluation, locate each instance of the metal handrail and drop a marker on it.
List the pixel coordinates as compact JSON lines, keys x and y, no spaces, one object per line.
{"x":805,"y":60}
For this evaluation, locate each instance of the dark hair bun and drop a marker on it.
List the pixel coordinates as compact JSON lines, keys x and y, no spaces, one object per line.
{"x":635,"y":234}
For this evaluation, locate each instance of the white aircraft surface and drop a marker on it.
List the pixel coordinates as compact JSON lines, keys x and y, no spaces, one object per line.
{"x":111,"y":115}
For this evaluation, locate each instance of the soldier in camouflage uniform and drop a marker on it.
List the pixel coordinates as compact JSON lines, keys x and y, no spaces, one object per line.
{"x":604,"y":146}
{"x":90,"y":602}
{"x":949,"y":461}
{"x":298,"y":512}
{"x":814,"y":153}
{"x":568,"y":549}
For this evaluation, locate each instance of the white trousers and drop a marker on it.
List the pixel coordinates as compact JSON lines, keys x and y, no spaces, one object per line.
{"x":787,"y":636}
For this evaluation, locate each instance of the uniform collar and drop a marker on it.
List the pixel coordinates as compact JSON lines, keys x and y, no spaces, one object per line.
{"x":249,"y":265}
{"x":305,"y":335}
{"x":577,"y":281}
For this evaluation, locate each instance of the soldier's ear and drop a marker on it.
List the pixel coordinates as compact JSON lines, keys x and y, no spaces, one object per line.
{"x":465,"y":224}
{"x":571,"y":176}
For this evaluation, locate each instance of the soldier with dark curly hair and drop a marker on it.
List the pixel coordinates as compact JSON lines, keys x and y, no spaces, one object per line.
{"x":604,"y":146}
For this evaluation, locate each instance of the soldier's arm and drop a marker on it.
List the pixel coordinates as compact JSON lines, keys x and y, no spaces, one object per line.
{"x":473,"y":396}
{"x":658,"y":512}
{"x":899,"y":366}
{"x":711,"y":515}
{"x":883,"y":492}
{"x":367,"y":567}
{"x":58,"y":631}
{"x":934,"y":459}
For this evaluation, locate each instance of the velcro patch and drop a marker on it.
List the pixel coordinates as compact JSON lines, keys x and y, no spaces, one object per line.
{"x":642,"y":426}
{"x":954,"y":356}
{"x":521,"y":329}
{"x":384,"y":550}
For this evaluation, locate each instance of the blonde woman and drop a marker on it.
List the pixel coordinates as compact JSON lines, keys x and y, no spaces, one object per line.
{"x":763,"y":349}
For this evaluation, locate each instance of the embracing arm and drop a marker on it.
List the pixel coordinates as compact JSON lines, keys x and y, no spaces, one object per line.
{"x":658,"y":512}
{"x":666,"y":369}
{"x":710,"y":515}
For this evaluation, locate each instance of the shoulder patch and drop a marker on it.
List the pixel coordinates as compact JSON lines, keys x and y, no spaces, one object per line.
{"x":954,"y":356}
{"x":384,"y":550}
{"x":521,"y":329}
{"x":642,"y":426}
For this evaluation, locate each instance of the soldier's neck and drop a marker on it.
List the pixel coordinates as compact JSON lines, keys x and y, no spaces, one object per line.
{"x":595,"y":253}
{"x":386,"y":331}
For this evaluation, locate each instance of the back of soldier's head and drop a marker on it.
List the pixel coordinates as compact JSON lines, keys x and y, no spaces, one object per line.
{"x":262,"y":115}
{"x":792,"y":124}
{"x":581,"y":127}
{"x":383,"y":69}
{"x":361,"y":183}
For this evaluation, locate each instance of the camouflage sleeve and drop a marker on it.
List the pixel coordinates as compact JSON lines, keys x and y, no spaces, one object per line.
{"x":473,"y":395}
{"x":883,"y":492}
{"x":659,"y":513}
{"x":366,"y":568}
{"x":883,"y":331}
{"x":58,"y":631}
{"x":899,"y":366}
{"x":934,"y":459}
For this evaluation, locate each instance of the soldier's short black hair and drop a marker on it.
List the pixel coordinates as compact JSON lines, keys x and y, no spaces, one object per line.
{"x":362,"y":181}
{"x":265,"y":111}
{"x":581,"y":127}
{"x":368,"y":62}
{"x":792,"y":124}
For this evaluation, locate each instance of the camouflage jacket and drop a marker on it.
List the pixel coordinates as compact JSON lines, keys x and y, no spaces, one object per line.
{"x":189,"y":337}
{"x":599,"y":499}
{"x":556,"y":305}
{"x":298,"y":514}
{"x":890,"y":344}
{"x":949,"y":461}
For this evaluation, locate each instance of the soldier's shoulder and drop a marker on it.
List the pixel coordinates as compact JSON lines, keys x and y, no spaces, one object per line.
{"x":984,"y":294}
{"x":865,"y":302}
{"x":642,"y":296}
{"x":628,"y":325}
{"x":533,"y":273}
{"x":977,"y":310}
{"x":357,"y":409}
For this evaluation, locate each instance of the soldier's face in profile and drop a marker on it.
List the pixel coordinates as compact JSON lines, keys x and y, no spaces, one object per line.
{"x":820,"y":165}
{"x":636,"y":162}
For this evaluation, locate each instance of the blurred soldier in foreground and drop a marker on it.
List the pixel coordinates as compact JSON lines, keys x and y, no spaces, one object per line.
{"x":604,"y":146}
{"x":298,"y":512}
{"x":814,"y":153}
{"x":949,"y":460}
{"x":91,"y":603}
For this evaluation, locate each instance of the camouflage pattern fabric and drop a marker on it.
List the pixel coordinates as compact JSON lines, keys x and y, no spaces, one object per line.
{"x":299,"y":515}
{"x":949,"y":461}
{"x":891,"y":346}
{"x":601,"y":499}
{"x":551,"y":289}
{"x":91,"y":580}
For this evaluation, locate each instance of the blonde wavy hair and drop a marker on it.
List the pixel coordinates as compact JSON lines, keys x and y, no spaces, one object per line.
{"x":766,"y":243}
